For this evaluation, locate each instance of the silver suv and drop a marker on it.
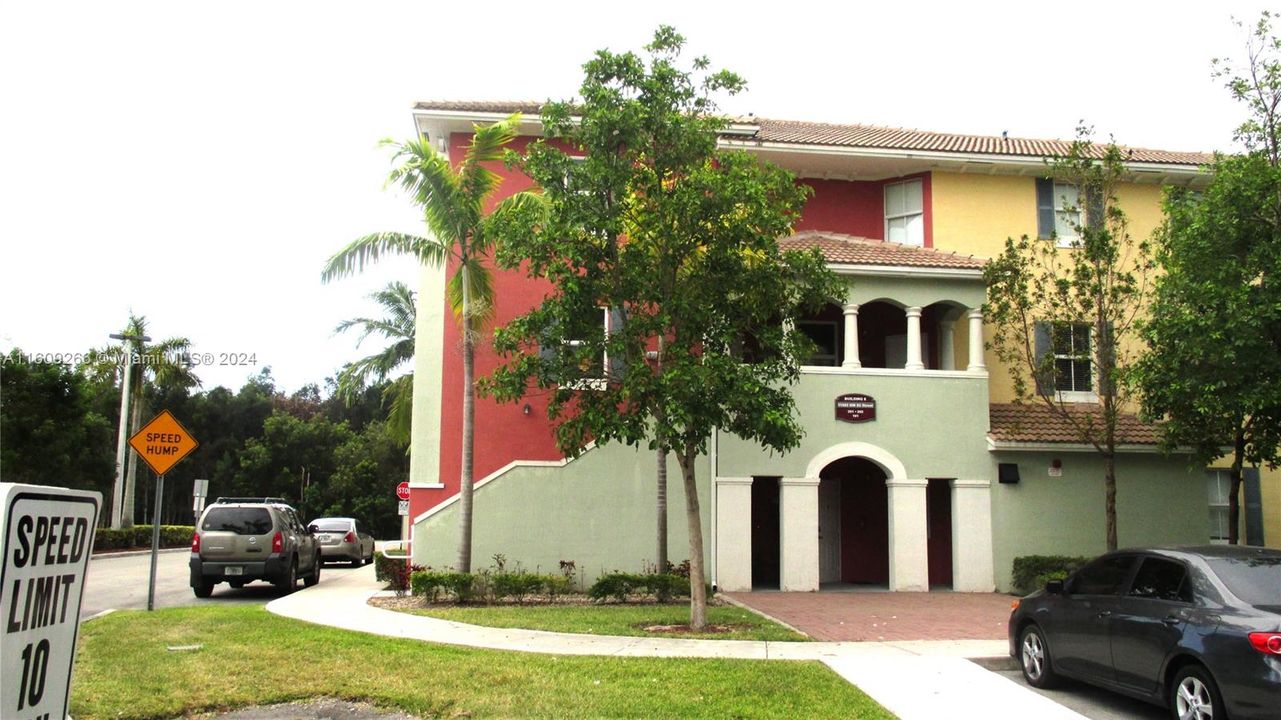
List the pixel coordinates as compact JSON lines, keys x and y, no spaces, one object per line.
{"x":239,"y":540}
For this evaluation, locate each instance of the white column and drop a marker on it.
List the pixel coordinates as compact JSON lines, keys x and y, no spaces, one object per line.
{"x":947,"y":346}
{"x":914,"y":339}
{"x":798,"y":534}
{"x":909,"y":561}
{"x":976,"y":342}
{"x":972,"y":564}
{"x":851,"y":337}
{"x":734,"y":533}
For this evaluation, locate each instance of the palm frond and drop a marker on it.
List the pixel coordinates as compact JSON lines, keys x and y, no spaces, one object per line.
{"x":398,"y":397}
{"x":531,"y":208}
{"x":368,"y":249}
{"x":435,"y":187}
{"x":487,"y":145}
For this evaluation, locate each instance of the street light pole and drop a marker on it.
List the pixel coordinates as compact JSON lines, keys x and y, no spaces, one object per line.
{"x":117,"y":492}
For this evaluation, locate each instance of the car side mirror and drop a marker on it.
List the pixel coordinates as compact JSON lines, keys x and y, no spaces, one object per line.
{"x":1054,"y":587}
{"x":313,"y":529}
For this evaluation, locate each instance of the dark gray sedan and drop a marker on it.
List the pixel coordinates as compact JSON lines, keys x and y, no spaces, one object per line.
{"x":1197,"y":630}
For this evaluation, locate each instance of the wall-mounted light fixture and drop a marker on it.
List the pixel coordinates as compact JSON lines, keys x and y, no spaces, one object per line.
{"x":527,"y":409}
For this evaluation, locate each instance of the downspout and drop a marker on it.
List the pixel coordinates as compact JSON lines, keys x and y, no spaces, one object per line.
{"x":713,"y":464}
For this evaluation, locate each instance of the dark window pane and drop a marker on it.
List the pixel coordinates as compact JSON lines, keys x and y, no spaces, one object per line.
{"x":823,"y":335}
{"x":241,"y":521}
{"x":1161,"y":580}
{"x":1102,"y":577}
{"x":1081,"y":376}
{"x":333,"y":525}
{"x":1063,"y":375}
{"x":1256,"y":580}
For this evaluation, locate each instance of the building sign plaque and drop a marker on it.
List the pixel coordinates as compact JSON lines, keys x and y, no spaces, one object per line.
{"x":855,"y":407}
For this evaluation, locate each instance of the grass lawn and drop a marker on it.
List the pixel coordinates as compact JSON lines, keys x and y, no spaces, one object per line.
{"x":613,"y":619}
{"x":252,"y":657}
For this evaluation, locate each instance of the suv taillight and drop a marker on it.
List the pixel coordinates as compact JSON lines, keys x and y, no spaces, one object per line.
{"x":277,"y":542}
{"x":350,"y":537}
{"x":195,"y":542}
{"x":1268,"y":643}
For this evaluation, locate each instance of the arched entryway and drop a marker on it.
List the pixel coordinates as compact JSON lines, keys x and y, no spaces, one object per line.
{"x":853,"y":523}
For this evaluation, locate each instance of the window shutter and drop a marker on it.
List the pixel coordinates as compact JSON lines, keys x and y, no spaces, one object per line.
{"x":1253,"y":507}
{"x":617,"y":360}
{"x":1094,"y":208}
{"x":1044,"y":208}
{"x":1105,"y":344}
{"x":1043,"y":345}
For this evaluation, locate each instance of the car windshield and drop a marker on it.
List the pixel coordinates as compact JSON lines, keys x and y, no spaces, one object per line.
{"x":1256,"y":580}
{"x":332,"y":525}
{"x":241,"y":521}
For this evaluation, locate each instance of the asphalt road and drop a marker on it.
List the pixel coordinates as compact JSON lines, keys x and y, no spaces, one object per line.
{"x":1087,"y":700}
{"x":120,"y":581}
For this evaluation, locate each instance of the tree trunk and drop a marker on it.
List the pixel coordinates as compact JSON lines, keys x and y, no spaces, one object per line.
{"x":131,"y":478}
{"x":1234,"y":488}
{"x":697,"y":583}
{"x":1109,"y":506}
{"x":660,"y":556}
{"x":469,"y":416}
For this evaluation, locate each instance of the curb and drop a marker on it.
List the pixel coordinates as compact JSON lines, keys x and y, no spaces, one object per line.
{"x":130,"y":553}
{"x":767,"y":616}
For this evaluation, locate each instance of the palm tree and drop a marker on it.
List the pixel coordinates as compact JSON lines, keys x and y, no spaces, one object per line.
{"x":397,"y":324}
{"x":161,"y":363}
{"x":453,"y":202}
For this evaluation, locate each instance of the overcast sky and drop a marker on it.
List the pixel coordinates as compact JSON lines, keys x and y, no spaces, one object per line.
{"x":196,"y":163}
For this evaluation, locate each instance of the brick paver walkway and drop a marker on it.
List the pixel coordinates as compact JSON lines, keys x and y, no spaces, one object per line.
{"x":886,"y":616}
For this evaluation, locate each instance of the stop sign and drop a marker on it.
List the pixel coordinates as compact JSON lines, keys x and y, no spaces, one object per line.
{"x":402,"y":491}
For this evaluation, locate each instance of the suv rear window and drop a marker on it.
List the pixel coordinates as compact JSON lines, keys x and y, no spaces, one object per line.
{"x":332,"y":525}
{"x":241,"y":521}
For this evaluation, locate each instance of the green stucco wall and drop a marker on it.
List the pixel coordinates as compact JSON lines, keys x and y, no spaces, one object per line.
{"x":598,"y":511}
{"x":1158,"y":501}
{"x":935,"y":425}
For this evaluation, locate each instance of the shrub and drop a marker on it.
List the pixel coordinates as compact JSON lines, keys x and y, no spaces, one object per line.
{"x":1032,"y":571}
{"x":516,"y":585}
{"x":139,"y":536}
{"x":426,"y":584}
{"x":665,"y":586}
{"x":555,"y":585}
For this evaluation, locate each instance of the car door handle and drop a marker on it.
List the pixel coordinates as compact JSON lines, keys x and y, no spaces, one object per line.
{"x":1172,"y":620}
{"x":1104,"y":614}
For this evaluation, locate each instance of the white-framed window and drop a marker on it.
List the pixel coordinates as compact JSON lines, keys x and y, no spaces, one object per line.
{"x":1067,"y":214}
{"x":1218,"y":483}
{"x":1072,"y":366}
{"x":1070,"y":373}
{"x":905,"y":213}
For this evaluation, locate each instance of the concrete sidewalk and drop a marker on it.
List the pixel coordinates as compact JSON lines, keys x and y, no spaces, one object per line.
{"x":913,"y":679}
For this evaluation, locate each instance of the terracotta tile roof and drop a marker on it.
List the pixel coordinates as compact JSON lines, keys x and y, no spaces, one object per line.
{"x":850,"y":250}
{"x":1036,"y":423}
{"x":871,"y":136}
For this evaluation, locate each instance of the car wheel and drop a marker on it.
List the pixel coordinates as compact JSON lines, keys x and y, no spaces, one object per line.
{"x":1034,"y":658}
{"x":290,"y":579}
{"x":203,"y":590}
{"x":369,"y":559}
{"x":314,"y":577}
{"x":1195,"y":696}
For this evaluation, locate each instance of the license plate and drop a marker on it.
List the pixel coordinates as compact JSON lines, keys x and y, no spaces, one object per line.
{"x":233,"y":571}
{"x":325,"y":539}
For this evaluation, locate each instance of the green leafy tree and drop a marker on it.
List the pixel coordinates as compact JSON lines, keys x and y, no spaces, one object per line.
{"x":397,"y":325}
{"x":676,"y":243}
{"x":1040,"y":295}
{"x":51,"y":428}
{"x":453,"y":202}
{"x":160,"y":363}
{"x":1212,"y":374}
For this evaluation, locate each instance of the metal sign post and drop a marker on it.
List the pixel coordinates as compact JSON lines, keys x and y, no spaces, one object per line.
{"x":161,"y":443}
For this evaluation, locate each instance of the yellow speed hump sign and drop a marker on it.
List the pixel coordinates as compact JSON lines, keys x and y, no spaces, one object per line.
{"x":163,"y":442}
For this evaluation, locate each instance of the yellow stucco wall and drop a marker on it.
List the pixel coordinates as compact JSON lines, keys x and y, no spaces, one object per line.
{"x":975,"y":214}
